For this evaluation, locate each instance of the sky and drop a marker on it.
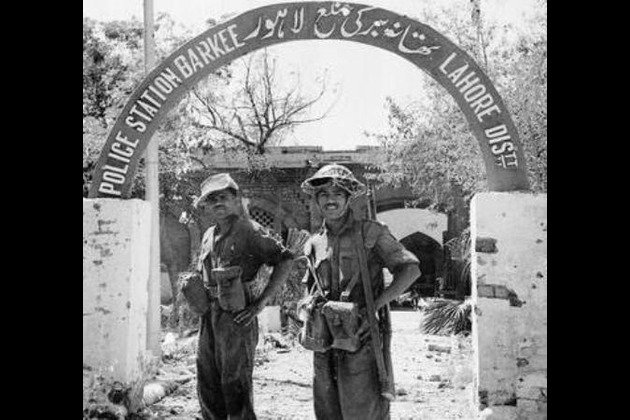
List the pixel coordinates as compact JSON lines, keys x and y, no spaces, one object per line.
{"x":362,"y":75}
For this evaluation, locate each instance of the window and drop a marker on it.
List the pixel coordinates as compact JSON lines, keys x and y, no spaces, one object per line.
{"x":261,"y":216}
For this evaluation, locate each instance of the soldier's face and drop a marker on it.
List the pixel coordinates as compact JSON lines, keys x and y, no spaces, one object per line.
{"x":332,"y":202}
{"x":222,"y":204}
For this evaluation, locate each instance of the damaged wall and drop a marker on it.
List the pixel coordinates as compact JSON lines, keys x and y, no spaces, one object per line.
{"x":509,"y":271}
{"x":115,"y":275}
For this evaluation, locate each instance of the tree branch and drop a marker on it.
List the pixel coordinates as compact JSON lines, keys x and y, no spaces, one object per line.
{"x":252,"y":100}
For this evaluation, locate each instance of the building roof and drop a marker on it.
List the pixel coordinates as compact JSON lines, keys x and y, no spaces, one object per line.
{"x":293,"y":157}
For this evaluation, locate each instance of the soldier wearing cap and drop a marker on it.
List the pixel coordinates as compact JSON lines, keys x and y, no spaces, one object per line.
{"x":346,"y":384}
{"x":227,"y":339}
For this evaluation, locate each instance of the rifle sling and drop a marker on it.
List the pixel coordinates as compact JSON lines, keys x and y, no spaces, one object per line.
{"x":371,"y":309}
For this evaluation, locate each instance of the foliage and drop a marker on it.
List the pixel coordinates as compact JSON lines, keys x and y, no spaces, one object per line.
{"x":457,"y":273}
{"x":448,"y":317}
{"x":112,"y":67}
{"x":230,"y":112}
{"x":430,"y":149}
{"x":429,"y":145}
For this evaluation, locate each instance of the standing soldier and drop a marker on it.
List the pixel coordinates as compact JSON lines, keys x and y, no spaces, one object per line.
{"x":348,"y":367}
{"x":231,"y":254}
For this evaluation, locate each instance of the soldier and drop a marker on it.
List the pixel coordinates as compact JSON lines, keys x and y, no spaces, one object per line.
{"x":231,"y":254}
{"x":346,"y":383}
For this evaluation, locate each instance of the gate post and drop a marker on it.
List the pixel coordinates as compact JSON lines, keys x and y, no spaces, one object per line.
{"x":509,"y":286}
{"x":116,"y":237}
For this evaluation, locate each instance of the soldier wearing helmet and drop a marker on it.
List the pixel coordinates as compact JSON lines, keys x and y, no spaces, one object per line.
{"x":346,"y":383}
{"x":231,"y":254}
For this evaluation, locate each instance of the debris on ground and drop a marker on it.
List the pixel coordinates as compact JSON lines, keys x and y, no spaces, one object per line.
{"x":107,"y":399}
{"x":439,"y":349}
{"x":107,"y":411}
{"x":427,"y":387}
{"x":176,"y":348}
{"x":156,"y":390}
{"x":277,"y":340}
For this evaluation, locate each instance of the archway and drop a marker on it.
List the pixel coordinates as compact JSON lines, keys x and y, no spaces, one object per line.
{"x":430,"y":51}
{"x":421,"y":231}
{"x":416,"y":42}
{"x":429,"y":253}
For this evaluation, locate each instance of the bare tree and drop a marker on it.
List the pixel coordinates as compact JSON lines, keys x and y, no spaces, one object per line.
{"x":261,"y":111}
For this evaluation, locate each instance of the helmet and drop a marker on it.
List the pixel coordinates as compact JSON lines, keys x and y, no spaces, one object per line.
{"x":333,"y":175}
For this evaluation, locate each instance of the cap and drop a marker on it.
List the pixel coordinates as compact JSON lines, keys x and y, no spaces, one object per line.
{"x":213,"y":184}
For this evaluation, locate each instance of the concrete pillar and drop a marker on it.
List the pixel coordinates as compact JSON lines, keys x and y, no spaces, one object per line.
{"x":509,"y":272}
{"x":116,"y":237}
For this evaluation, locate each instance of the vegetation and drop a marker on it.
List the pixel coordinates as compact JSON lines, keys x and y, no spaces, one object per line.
{"x":429,"y":145}
{"x":242,"y":109}
{"x":444,"y":316}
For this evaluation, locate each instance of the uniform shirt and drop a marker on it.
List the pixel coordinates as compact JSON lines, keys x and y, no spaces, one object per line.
{"x":245,"y":243}
{"x":336,"y":262}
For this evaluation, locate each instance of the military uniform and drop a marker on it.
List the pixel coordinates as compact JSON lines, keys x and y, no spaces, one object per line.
{"x":345,"y":384}
{"x":225,"y":358}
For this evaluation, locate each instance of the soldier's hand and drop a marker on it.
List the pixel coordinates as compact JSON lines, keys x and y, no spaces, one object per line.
{"x":247,"y":315}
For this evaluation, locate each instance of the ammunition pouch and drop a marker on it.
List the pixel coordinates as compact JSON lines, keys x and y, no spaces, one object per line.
{"x":231,"y":295}
{"x":314,"y":334}
{"x":329,"y":324}
{"x":191,"y":285}
{"x":342,"y":319}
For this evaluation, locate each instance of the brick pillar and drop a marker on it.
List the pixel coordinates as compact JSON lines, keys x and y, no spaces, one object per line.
{"x":115,"y":274}
{"x":509,"y":272}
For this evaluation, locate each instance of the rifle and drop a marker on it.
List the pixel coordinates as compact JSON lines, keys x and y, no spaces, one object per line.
{"x":382,"y":351}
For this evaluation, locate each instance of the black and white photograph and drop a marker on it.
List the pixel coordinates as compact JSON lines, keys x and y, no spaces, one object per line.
{"x":315,"y":210}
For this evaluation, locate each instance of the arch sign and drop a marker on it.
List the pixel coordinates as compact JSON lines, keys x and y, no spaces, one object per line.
{"x":265,"y":26}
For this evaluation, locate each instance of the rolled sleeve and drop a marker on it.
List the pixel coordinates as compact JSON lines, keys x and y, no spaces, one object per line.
{"x":392,"y":252}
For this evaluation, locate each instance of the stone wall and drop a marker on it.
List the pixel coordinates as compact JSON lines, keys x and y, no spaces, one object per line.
{"x":115,"y":276}
{"x":509,"y":271}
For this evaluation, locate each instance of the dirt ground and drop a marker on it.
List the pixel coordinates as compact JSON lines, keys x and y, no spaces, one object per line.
{"x":433,"y":376}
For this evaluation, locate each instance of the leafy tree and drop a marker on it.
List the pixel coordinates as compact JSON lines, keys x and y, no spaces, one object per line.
{"x":429,"y":144}
{"x":231,"y":111}
{"x":112,"y":66}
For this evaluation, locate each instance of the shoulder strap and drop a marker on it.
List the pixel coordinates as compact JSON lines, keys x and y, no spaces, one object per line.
{"x":357,"y":276}
{"x":386,"y":382}
{"x":316,"y":282}
{"x":207,"y":245}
